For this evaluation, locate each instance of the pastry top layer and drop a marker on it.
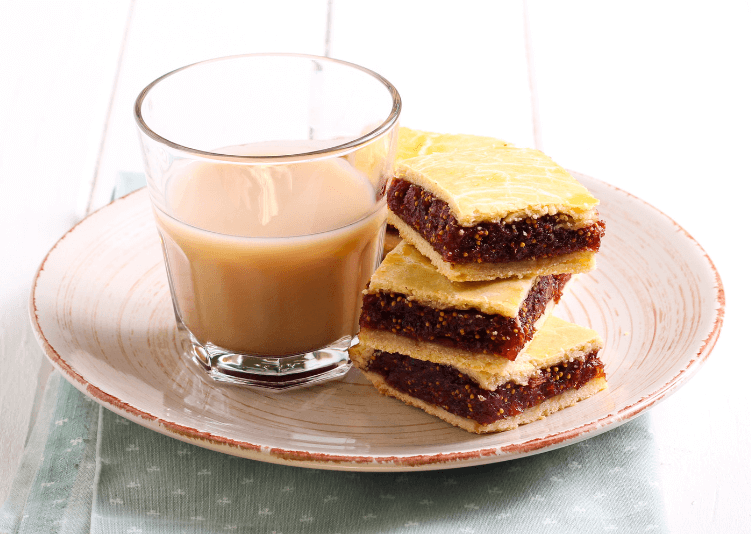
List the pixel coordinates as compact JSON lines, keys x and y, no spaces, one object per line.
{"x":500,"y":185}
{"x":557,"y":341}
{"x":413,"y":143}
{"x":404,"y":270}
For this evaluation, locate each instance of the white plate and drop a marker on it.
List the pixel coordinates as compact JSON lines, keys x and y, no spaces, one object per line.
{"x":101,"y":310}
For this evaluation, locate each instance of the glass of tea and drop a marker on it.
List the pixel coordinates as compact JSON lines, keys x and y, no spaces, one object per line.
{"x":267,"y":175}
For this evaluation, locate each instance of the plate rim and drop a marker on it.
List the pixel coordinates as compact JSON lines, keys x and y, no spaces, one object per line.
{"x":329,"y":461}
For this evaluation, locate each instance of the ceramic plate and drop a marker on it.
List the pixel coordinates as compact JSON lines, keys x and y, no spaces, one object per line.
{"x":101,"y":310}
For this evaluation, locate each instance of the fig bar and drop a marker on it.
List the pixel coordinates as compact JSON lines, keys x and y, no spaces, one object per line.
{"x":482,"y":214}
{"x":559,"y":368}
{"x":409,"y":304}
{"x":413,"y":143}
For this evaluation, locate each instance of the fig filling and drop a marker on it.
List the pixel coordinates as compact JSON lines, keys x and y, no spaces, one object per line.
{"x":447,"y":388}
{"x":471,"y":329}
{"x":488,"y":242}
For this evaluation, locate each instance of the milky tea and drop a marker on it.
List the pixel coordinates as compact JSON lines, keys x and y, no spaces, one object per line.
{"x":270,"y":260}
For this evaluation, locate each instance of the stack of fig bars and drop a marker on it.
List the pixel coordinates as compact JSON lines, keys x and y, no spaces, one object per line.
{"x":457,"y":319}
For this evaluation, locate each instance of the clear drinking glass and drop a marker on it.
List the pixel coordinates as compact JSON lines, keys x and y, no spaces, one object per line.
{"x":267,"y":175}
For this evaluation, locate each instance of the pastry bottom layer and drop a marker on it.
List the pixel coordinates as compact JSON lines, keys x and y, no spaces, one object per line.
{"x":547,"y":407}
{"x":573,"y":263}
{"x":446,"y":389}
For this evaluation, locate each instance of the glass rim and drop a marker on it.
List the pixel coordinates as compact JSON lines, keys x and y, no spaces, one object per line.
{"x":349,"y":146}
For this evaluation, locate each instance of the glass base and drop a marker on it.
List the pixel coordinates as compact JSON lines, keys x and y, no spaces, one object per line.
{"x":268,"y":372}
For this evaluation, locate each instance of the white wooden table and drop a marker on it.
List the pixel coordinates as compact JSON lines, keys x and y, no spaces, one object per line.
{"x":651,"y":97}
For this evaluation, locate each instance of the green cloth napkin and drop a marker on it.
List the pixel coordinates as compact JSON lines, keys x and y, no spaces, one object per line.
{"x":86,"y":469}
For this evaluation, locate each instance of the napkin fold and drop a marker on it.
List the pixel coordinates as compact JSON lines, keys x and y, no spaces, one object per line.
{"x":86,"y":469}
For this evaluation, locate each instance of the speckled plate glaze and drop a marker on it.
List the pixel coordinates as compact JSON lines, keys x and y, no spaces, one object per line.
{"x":101,"y":311}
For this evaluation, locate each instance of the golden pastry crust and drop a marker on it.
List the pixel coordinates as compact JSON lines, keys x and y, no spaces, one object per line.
{"x":547,"y":407}
{"x":573,"y":263}
{"x":500,"y":185}
{"x":409,"y":273}
{"x":413,"y":143}
{"x":555,"y":342}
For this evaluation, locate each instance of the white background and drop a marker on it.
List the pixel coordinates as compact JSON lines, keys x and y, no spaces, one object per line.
{"x":650,"y":96}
